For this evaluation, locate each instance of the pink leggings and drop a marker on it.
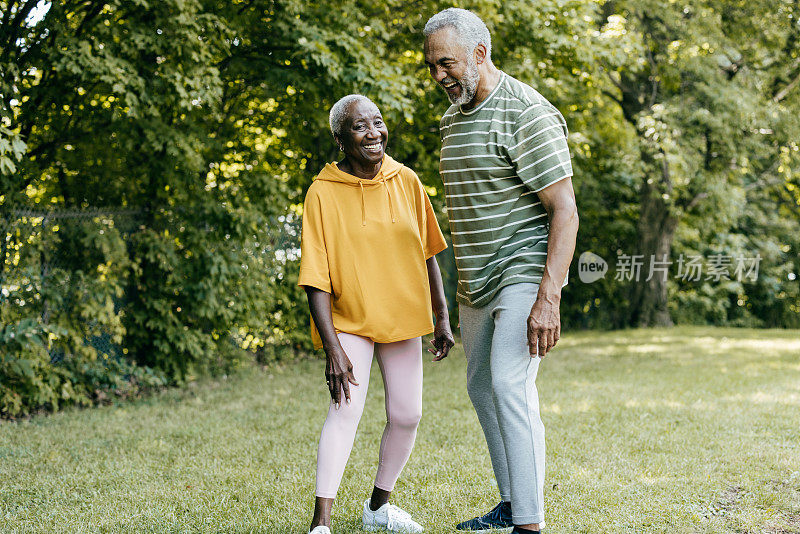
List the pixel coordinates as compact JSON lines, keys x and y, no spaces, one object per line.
{"x":401,"y":367}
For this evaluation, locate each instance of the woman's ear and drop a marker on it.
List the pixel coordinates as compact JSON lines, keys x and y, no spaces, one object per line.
{"x":338,"y":142}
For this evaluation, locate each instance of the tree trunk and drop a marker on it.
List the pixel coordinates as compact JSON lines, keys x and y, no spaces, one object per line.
{"x":656,"y":230}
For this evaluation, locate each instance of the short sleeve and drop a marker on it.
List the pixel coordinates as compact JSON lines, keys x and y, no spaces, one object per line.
{"x":432,"y":238}
{"x":314,"y":269}
{"x":538,"y":148}
{"x":430,"y":234}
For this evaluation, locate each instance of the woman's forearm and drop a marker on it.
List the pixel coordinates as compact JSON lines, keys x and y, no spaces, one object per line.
{"x":319,"y":302}
{"x":438,"y":301}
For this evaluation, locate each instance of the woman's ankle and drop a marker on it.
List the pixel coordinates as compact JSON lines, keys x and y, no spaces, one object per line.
{"x":379,"y":498}
{"x":322,"y":512}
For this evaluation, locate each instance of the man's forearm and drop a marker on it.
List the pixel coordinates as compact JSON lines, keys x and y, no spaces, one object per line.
{"x":560,"y":250}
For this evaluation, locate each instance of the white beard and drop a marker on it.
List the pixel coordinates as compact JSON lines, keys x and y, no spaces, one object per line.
{"x":469,"y":84}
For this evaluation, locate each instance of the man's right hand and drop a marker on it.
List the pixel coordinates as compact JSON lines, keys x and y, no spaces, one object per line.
{"x":544,"y":324}
{"x":339,"y":374}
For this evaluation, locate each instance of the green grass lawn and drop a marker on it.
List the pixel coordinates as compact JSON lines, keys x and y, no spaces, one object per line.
{"x":680,"y":430}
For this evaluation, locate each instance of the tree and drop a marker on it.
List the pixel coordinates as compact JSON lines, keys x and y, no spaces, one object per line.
{"x":707,"y":104}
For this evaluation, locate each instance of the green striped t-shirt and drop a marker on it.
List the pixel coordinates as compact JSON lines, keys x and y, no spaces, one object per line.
{"x":494,"y":159}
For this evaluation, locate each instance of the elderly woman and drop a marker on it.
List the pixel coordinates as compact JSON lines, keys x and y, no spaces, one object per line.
{"x":369,"y":270}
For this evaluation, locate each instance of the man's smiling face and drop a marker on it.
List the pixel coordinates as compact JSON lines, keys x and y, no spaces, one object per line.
{"x":451,"y":66}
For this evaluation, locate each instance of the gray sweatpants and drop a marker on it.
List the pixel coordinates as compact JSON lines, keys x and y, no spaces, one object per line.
{"x":501,"y":381}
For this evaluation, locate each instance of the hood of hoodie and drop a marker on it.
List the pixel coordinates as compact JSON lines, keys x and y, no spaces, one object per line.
{"x":389,"y":169}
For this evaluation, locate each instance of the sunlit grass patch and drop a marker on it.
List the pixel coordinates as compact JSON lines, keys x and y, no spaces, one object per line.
{"x":678,"y":430}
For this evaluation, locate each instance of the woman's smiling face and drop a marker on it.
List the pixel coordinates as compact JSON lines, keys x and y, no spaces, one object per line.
{"x":364,"y":135}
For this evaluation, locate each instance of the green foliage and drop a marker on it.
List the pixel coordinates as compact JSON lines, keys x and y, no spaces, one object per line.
{"x":206,"y":278}
{"x":136,"y":127}
{"x":26,"y":377}
{"x":31,"y":381}
{"x":682,"y":143}
{"x":54,"y":316}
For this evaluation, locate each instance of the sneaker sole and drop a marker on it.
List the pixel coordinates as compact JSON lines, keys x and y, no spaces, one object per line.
{"x":379,"y":528}
{"x":489,"y":530}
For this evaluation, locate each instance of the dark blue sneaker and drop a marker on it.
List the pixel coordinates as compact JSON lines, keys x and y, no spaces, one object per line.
{"x":498,"y":517}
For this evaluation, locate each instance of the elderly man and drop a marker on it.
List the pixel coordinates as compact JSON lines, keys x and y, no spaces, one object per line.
{"x":507,"y":176}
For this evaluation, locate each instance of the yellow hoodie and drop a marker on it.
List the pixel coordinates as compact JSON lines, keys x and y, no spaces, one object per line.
{"x":366,"y":242}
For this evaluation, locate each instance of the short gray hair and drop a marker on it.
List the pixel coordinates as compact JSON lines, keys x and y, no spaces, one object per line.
{"x":469,"y":26}
{"x":339,"y":109}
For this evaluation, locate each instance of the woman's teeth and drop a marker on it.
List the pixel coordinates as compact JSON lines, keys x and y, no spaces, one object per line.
{"x":374,"y":147}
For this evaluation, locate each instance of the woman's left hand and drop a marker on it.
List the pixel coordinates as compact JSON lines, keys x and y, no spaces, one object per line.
{"x":442,"y":340}
{"x":442,"y":336}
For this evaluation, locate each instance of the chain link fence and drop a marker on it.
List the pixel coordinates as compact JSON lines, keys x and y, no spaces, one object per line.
{"x":40,"y":249}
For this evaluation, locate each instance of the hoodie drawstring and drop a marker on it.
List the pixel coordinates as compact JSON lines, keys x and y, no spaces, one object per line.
{"x":389,"y":195}
{"x":363,"y":208}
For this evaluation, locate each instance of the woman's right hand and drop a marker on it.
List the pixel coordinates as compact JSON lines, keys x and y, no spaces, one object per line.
{"x":339,"y":374}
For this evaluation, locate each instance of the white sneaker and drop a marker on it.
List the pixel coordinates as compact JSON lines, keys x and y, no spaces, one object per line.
{"x":389,"y":517}
{"x":322,"y":529}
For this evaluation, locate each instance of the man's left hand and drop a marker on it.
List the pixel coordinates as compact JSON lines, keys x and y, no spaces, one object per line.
{"x":544,"y":325}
